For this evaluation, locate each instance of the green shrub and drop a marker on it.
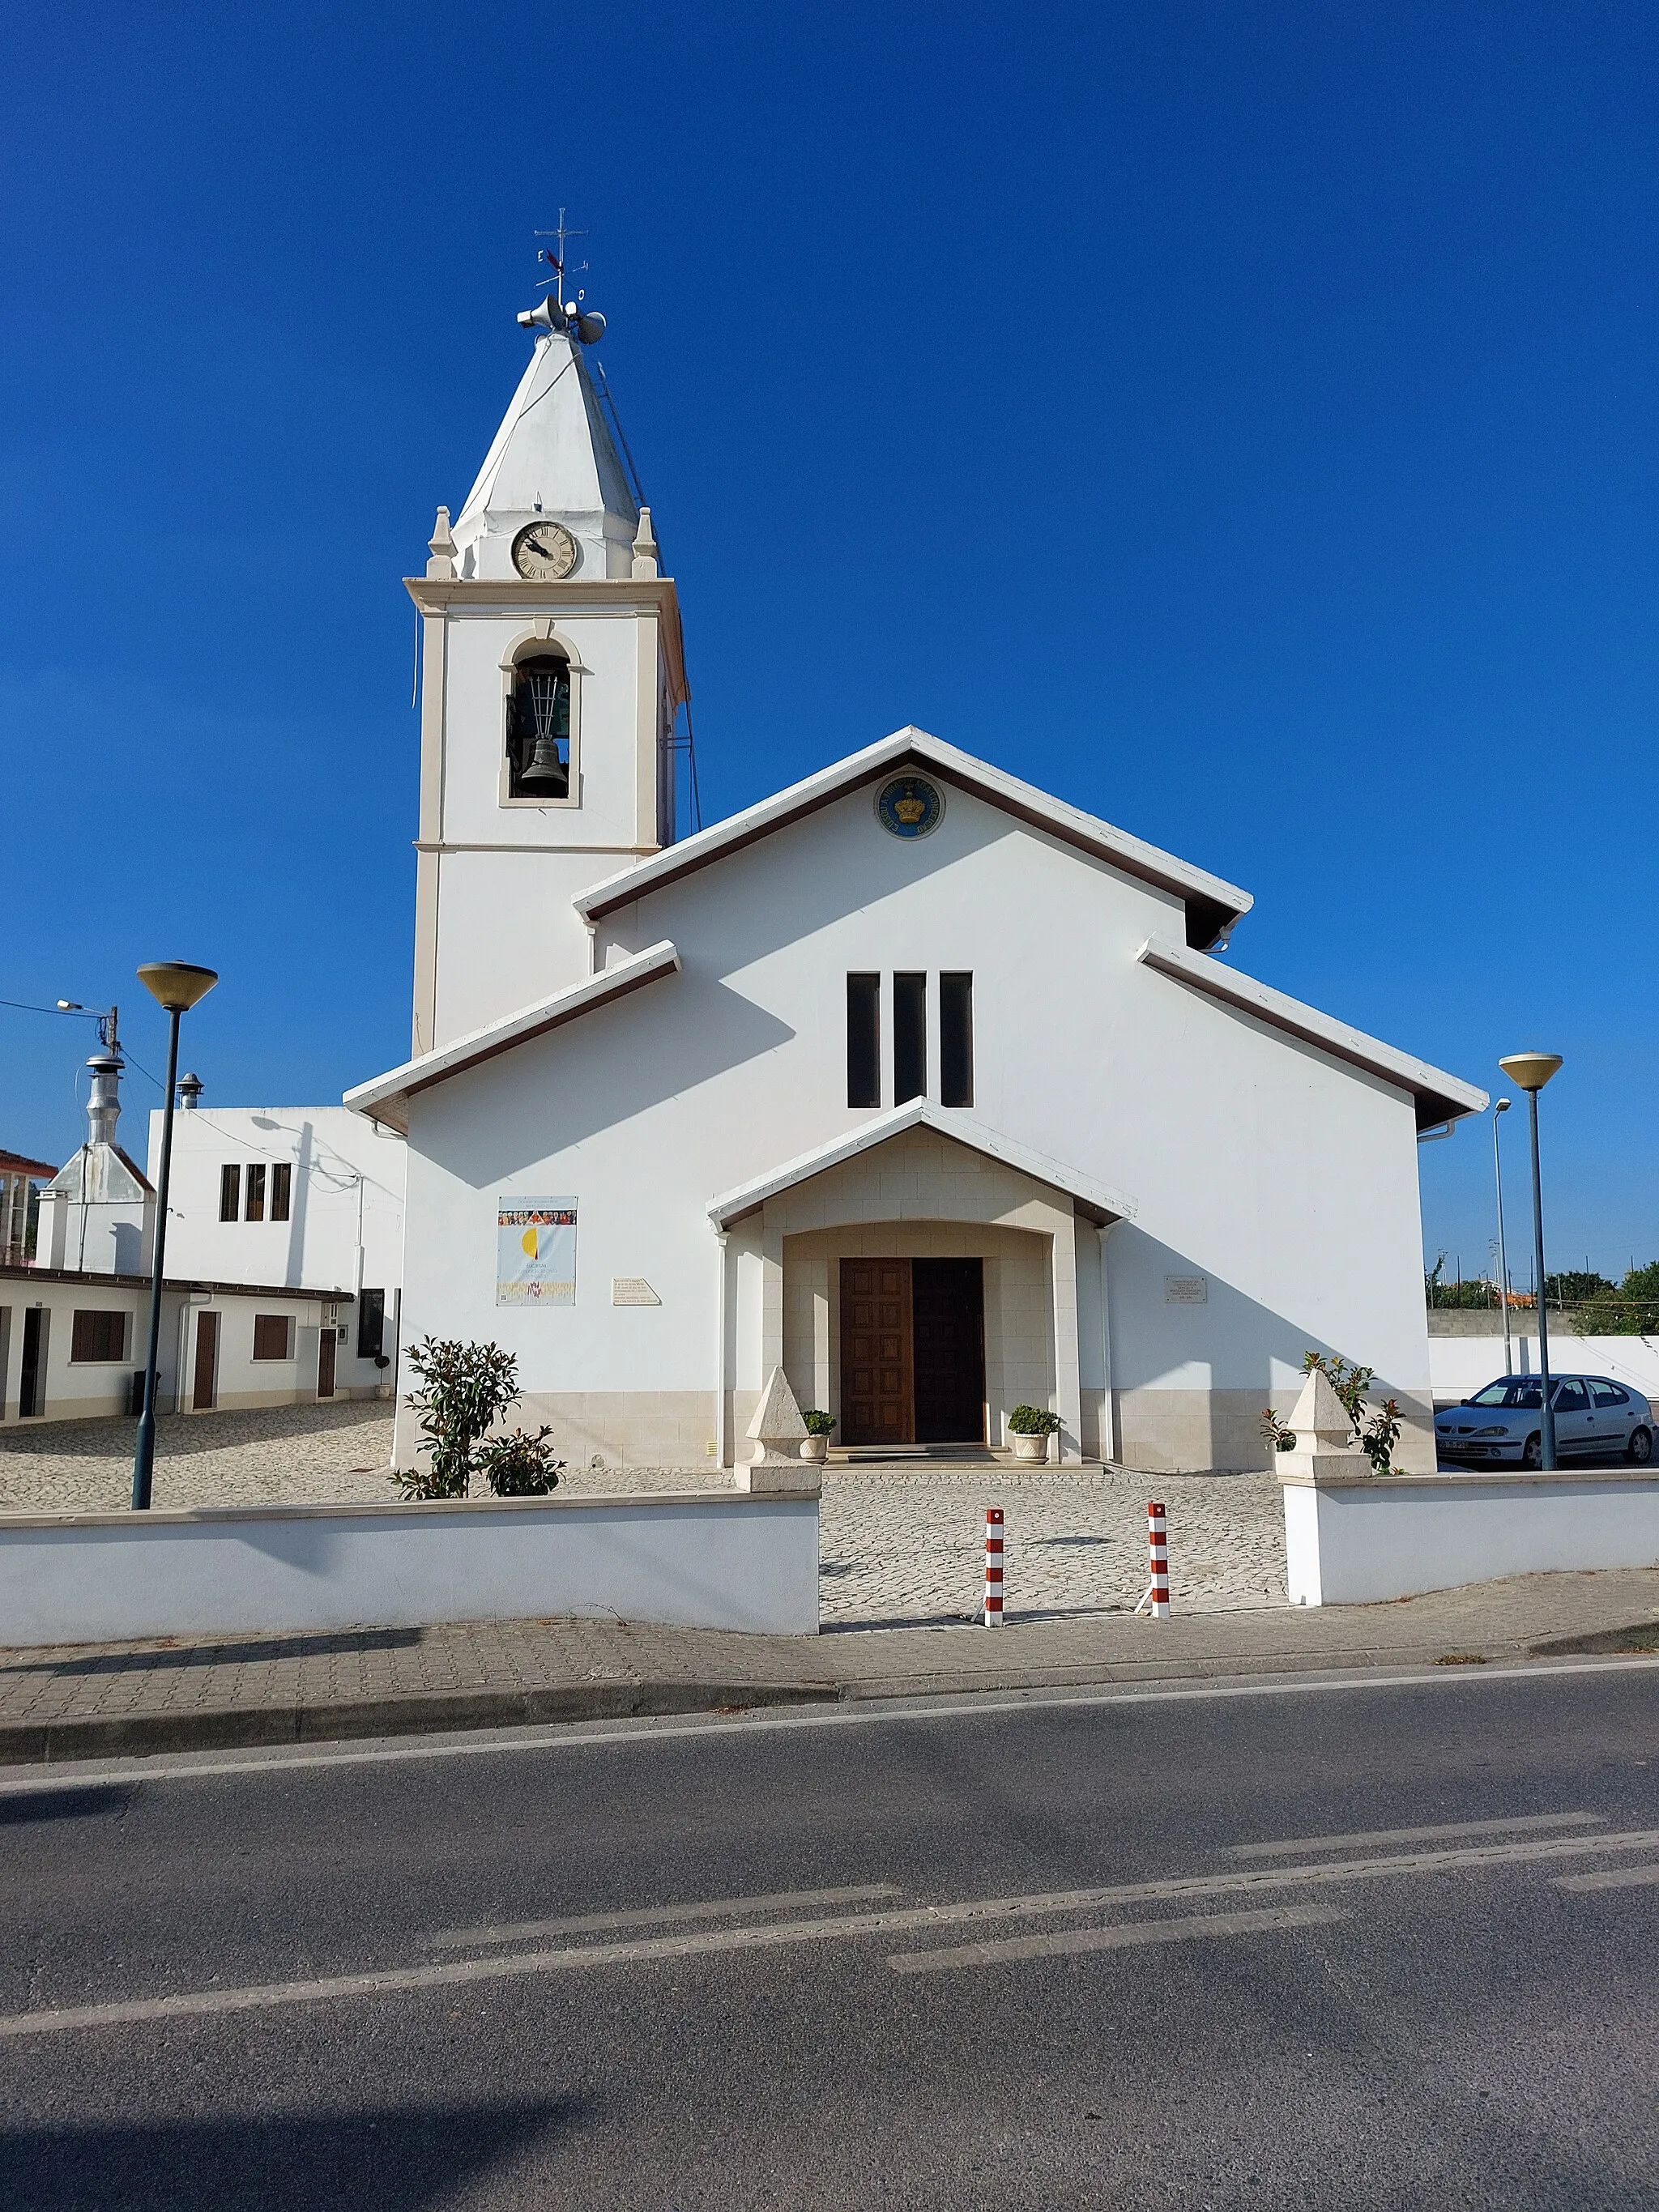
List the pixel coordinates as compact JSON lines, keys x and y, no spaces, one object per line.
{"x":818,"y":1424}
{"x":1032,"y":1421}
{"x":465,"y":1390}
{"x":519,"y":1466}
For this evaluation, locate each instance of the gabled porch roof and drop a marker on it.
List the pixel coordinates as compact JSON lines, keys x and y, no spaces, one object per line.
{"x":1092,"y":1199}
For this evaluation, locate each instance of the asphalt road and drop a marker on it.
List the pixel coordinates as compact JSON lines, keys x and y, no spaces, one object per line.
{"x":890,"y":1991}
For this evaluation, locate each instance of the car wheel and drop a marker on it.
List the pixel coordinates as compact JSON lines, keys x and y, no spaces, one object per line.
{"x":1639,"y":1449}
{"x":1532,"y":1452}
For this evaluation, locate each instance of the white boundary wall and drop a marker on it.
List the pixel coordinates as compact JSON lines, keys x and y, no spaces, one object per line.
{"x":692,"y":1558}
{"x":1361,"y":1543}
{"x":1461,"y":1366}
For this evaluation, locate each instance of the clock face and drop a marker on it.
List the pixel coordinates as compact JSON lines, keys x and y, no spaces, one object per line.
{"x":544,"y":550}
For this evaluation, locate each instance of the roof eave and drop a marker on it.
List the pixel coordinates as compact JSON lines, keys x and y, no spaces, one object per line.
{"x":1212,"y":904}
{"x":1092,"y":1198}
{"x":386,"y":1099}
{"x":1438,"y":1097}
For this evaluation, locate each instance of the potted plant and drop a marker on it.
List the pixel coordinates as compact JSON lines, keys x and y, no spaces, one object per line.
{"x":815,"y":1444}
{"x":1030,"y":1428}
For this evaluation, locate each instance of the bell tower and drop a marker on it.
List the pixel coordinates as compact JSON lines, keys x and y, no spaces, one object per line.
{"x":551,"y":674}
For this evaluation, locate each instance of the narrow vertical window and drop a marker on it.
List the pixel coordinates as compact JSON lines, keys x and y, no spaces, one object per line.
{"x":371,"y":1324}
{"x":955,"y":1037}
{"x":909,"y":1037}
{"x":255,"y":1208}
{"x":282,"y":1189}
{"x":864,"y":1040}
{"x":230,"y":1194}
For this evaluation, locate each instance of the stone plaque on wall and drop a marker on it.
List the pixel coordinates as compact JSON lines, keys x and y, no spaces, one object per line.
{"x":632,"y":1290}
{"x":1185,"y":1290}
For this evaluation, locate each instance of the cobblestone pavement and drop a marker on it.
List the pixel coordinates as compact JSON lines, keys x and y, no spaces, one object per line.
{"x":897,"y":1548}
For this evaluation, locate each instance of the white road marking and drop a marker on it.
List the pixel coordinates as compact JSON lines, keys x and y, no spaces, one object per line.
{"x":1123,"y":1936}
{"x":646,"y":1916}
{"x":576,"y":1736}
{"x":1446,"y":1832}
{"x":586,"y":1957}
{"x":1637,"y":1877}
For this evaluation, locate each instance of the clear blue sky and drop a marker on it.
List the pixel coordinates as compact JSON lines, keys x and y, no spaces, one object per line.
{"x":1238,"y":419}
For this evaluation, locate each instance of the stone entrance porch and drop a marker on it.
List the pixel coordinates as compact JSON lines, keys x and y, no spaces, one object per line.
{"x":920,"y":1186}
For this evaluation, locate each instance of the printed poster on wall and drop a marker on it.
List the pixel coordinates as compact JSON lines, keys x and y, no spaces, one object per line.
{"x":536,"y":1252}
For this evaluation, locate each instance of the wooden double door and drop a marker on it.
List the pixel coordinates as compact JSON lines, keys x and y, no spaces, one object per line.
{"x":911,"y":1352}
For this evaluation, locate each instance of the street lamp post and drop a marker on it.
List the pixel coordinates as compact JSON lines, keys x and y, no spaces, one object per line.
{"x":1502,"y":1107}
{"x":175,"y":985}
{"x":1530,"y":1072}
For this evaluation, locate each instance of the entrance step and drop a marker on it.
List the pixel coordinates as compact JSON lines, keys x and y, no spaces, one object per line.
{"x":942,"y":1458}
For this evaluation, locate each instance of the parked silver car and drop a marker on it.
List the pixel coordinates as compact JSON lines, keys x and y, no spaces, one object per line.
{"x":1592,"y":1416}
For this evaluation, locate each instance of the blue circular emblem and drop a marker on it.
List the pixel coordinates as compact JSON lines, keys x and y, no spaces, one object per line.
{"x":909,"y":807}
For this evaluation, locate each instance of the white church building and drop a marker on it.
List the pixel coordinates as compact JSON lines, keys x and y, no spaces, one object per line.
{"x":938,"y":1092}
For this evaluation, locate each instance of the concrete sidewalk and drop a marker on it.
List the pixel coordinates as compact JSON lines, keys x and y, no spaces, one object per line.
{"x":88,"y":1701}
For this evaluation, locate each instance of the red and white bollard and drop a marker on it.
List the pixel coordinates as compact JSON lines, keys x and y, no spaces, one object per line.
{"x":1157,"y":1590}
{"x":994,"y":1566}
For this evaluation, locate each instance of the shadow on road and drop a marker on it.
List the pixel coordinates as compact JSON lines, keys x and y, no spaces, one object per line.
{"x":387,"y":2160}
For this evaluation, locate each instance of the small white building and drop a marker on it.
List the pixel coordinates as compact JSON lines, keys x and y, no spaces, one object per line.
{"x":246,"y":1320}
{"x":307,"y":1197}
{"x":935,"y":1090}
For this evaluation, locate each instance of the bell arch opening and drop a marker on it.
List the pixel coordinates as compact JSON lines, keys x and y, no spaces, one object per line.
{"x":539,"y":726}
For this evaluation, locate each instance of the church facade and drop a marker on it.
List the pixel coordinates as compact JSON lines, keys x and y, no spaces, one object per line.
{"x":933,"y":1090}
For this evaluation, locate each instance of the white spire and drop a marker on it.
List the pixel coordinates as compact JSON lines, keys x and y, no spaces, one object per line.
{"x":553,"y":457}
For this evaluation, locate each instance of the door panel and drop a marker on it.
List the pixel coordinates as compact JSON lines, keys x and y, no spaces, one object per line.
{"x":876,"y":1397}
{"x":32,"y":1394}
{"x":948,"y":1350}
{"x":327,"y":1345}
{"x":205,"y":1394}
{"x":1574,"y":1421}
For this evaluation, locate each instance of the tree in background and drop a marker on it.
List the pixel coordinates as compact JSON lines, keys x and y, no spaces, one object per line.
{"x":1575,"y":1285}
{"x":1632,"y":1310}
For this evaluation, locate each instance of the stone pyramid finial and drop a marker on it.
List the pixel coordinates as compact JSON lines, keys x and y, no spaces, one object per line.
{"x":441,"y":546}
{"x":1320,"y":1419}
{"x":777,"y":1429}
{"x":645,"y":556}
{"x":777,"y":1426}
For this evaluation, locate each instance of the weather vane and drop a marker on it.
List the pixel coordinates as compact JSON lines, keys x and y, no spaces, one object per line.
{"x":556,"y":261}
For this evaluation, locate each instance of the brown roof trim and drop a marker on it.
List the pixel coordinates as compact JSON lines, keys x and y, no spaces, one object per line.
{"x":95,"y":1282}
{"x":15,"y":1163}
{"x":386,"y":1098}
{"x":1209,"y":918}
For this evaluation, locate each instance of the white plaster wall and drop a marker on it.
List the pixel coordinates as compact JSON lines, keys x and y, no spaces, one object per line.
{"x":604,"y":650}
{"x":1364,"y":1544}
{"x":693,"y":1561}
{"x":1461,"y":1366}
{"x":506,"y":934}
{"x":83,"y":1389}
{"x":75,"y":1389}
{"x":1287,"y":1179}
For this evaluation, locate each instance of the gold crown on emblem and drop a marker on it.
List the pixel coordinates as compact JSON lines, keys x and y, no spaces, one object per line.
{"x":909,"y":809}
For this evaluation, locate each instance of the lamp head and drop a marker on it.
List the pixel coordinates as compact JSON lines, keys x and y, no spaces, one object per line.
{"x":1531,"y":1071}
{"x":1503,"y":1106}
{"x":177,"y":985}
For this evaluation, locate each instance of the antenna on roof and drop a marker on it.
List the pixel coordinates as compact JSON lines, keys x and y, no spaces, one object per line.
{"x":554,"y":312}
